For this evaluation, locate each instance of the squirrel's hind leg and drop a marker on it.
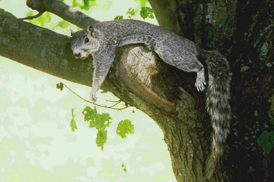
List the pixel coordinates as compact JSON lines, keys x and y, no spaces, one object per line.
{"x":183,"y":60}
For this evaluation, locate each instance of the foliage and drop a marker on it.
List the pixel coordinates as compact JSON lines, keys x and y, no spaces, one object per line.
{"x":266,"y":139}
{"x":73,"y":124}
{"x":125,"y":127}
{"x":98,"y":121}
{"x":146,"y":12}
{"x":101,"y":122}
{"x":62,"y":24}
{"x":131,"y":12}
{"x":124,"y":167}
{"x":84,"y":4}
{"x":46,"y":17}
{"x":142,"y":2}
{"x":101,"y":139}
{"x":41,"y":20}
{"x":118,"y":17}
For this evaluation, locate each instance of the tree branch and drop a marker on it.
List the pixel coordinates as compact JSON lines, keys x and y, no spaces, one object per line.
{"x":42,"y":49}
{"x":64,"y":11}
{"x":50,"y":52}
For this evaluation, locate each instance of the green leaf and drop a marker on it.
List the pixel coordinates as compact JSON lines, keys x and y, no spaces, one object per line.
{"x":272,"y":137}
{"x":90,"y":114}
{"x":73,"y":124}
{"x":99,"y":121}
{"x":118,"y":17}
{"x":272,"y":121}
{"x":101,"y":138}
{"x":104,"y":91}
{"x":41,"y":20}
{"x":84,"y":4}
{"x":6,"y":12}
{"x":263,"y":137}
{"x":130,"y":12}
{"x":244,"y":68}
{"x":146,"y":12}
{"x":269,"y":65}
{"x":263,"y":141}
{"x":99,"y":124}
{"x":62,"y":24}
{"x":142,"y":2}
{"x":102,"y":121}
{"x":124,"y":127}
{"x":105,"y":117}
{"x":124,"y":167}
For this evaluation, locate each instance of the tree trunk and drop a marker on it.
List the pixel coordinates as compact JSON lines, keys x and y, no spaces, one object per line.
{"x":243,"y":31}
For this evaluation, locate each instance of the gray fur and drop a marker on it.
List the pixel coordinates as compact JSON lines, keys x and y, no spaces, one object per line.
{"x":105,"y":37}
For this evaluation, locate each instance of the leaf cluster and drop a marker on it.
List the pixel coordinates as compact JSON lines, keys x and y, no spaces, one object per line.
{"x":98,"y":121}
{"x":84,"y":4}
{"x":124,"y":127}
{"x":266,"y":139}
{"x":145,"y":12}
{"x":101,"y":122}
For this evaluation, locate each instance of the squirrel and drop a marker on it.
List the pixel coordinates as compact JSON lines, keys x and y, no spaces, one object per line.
{"x":102,"y":39}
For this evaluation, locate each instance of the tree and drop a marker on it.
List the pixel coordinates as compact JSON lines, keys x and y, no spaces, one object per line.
{"x":242,"y":31}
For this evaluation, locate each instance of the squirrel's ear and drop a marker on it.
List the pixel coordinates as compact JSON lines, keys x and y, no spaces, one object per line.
{"x":71,"y":32}
{"x":91,"y":31}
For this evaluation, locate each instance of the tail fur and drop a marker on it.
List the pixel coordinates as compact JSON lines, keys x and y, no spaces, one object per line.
{"x":217,"y":104}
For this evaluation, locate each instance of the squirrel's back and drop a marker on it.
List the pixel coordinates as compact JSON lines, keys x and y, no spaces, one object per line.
{"x":127,"y":27}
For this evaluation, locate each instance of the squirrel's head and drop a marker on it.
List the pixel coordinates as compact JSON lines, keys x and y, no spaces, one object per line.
{"x":84,"y":42}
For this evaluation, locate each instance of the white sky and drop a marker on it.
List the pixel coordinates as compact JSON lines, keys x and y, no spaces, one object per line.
{"x":36,"y":141}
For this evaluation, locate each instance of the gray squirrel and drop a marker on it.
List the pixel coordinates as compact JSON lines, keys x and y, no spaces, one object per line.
{"x":102,"y":39}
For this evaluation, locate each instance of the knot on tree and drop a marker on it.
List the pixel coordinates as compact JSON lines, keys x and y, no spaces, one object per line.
{"x":139,"y":71}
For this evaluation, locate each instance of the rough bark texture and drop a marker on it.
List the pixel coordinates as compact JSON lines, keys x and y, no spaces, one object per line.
{"x":243,"y":31}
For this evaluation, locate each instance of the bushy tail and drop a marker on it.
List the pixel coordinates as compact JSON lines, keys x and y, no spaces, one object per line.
{"x":217,"y":104}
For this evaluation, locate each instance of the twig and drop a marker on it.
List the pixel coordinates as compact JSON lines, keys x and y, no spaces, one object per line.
{"x":109,"y":107}
{"x":32,"y":17}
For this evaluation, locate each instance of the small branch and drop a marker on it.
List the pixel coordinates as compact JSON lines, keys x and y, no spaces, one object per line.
{"x":108,"y":107}
{"x":115,"y":104}
{"x":32,"y":17}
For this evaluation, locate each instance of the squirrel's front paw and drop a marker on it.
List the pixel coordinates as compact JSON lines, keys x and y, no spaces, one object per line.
{"x":93,"y":97}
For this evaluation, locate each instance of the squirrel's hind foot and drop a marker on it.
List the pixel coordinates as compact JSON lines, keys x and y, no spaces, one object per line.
{"x":200,"y":81}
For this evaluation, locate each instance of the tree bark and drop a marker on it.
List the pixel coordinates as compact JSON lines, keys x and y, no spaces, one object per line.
{"x":243,"y":31}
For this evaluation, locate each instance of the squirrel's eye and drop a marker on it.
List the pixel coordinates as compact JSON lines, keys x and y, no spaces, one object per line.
{"x":86,"y":40}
